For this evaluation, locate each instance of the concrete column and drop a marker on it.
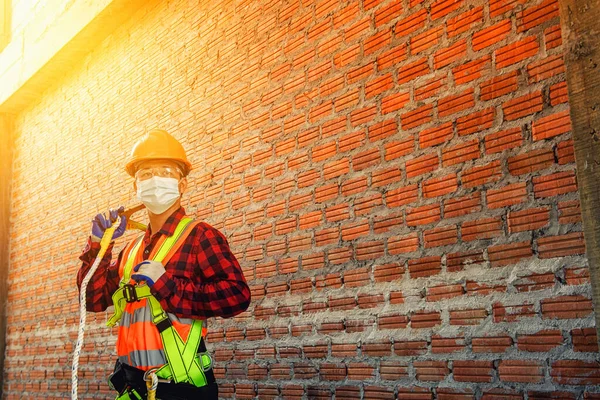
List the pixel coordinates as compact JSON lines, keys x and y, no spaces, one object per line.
{"x":581,"y":40}
{"x":6,"y":150}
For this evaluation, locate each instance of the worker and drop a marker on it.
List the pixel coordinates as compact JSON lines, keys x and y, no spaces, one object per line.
{"x":165,"y":283}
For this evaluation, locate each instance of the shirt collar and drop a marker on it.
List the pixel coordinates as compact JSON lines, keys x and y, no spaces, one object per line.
{"x":170,"y":224}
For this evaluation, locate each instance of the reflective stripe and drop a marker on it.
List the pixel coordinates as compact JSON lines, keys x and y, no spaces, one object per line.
{"x":144,"y":359}
{"x":144,"y":314}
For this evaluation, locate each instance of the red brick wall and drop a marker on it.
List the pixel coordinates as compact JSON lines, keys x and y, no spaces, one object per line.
{"x":396,"y":178}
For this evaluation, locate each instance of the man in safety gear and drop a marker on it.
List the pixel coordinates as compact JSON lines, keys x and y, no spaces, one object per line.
{"x":165,"y":283}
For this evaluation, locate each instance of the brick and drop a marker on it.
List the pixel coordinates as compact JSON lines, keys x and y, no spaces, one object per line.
{"x":484,"y":228}
{"x":532,"y":282}
{"x":393,"y":370}
{"x":412,"y":71}
{"x":569,"y":212}
{"x":552,"y":37}
{"x":421,"y":165}
{"x":483,"y":288}
{"x":442,"y":292}
{"x":499,"y":86}
{"x":490,"y":35}
{"x":464,"y":22}
{"x":441,"y":8}
{"x":377,"y":349}
{"x":507,"y":254}
{"x":410,"y":348}
{"x":394,"y":102}
{"x":450,"y":55}
{"x":566,"y":307}
{"x":385,"y":177}
{"x":552,"y":125}
{"x":468,"y":317}
{"x":388,"y":13}
{"x":442,"y":236}
{"x":503,"y":140}
{"x":535,"y":395}
{"x":454,"y":394}
{"x":379,"y":85}
{"x":515,"y":52}
{"x":458,"y":206}
{"x":526,"y":371}
{"x":507,"y":195}
{"x":411,"y":23}
{"x":577,"y":276}
{"x":332,"y":372}
{"x":423,"y":215}
{"x":565,"y":152}
{"x":475,"y":122}
{"x":402,"y":196}
{"x":360,"y":371}
{"x":545,"y":68}
{"x":388,"y":272}
{"x":554,"y":184}
{"x":541,"y":341}
{"x":431,"y":370}
{"x":347,"y":392}
{"x":584,"y":340}
{"x":392,"y":57}
{"x":453,"y":104}
{"x":505,"y":394}
{"x":558,"y":93}
{"x":417,"y":117}
{"x":392,"y":321}
{"x":430,"y":87}
{"x":424,"y":319}
{"x":442,"y":345}
{"x":414,"y":393}
{"x":436,"y":135}
{"x":462,"y":152}
{"x":387,"y":222}
{"x":480,"y":175}
{"x":537,"y":15}
{"x":575,"y":372}
{"x":472,"y":371}
{"x":471,"y":70}
{"x":505,"y":313}
{"x":528,"y":220}
{"x":378,"y":392}
{"x":382,"y":130}
{"x":397,"y":149}
{"x":561,"y":245}
{"x":457,"y":261}
{"x":403,"y":244}
{"x":343,"y":349}
{"x":425,"y":40}
{"x":436,"y":187}
{"x":425,"y":266}
{"x":491,"y":344}
{"x":522,"y":106}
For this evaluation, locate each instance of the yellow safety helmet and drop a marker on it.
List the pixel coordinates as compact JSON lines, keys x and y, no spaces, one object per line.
{"x":158,"y":145}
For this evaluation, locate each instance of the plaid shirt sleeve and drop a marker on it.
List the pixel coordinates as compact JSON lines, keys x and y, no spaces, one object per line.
{"x":104,"y":281}
{"x":212,"y":284}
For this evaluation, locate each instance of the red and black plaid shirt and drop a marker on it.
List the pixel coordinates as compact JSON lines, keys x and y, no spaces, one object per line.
{"x":203,"y":278}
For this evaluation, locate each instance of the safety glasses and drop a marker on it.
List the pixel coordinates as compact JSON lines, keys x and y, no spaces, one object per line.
{"x":143,"y":174}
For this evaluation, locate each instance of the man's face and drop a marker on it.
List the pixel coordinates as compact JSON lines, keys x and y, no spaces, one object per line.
{"x":163,"y":168}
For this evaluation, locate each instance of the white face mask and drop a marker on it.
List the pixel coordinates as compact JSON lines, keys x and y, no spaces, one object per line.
{"x":158,"y":193}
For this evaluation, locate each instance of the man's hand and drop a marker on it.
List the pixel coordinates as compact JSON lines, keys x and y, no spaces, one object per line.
{"x":100,"y":223}
{"x":148,"y":271}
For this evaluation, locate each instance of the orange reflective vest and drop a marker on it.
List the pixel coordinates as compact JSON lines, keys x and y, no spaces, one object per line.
{"x":139,"y":342}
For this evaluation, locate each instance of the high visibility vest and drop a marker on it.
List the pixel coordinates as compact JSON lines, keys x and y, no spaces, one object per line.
{"x":148,"y":337}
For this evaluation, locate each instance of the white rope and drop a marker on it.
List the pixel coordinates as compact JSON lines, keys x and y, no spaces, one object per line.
{"x":104,"y":242}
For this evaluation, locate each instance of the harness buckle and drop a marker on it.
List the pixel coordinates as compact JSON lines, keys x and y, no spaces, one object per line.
{"x":129,"y":293}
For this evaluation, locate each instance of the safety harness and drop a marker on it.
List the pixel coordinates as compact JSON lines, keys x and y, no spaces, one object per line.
{"x":184,"y":363}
